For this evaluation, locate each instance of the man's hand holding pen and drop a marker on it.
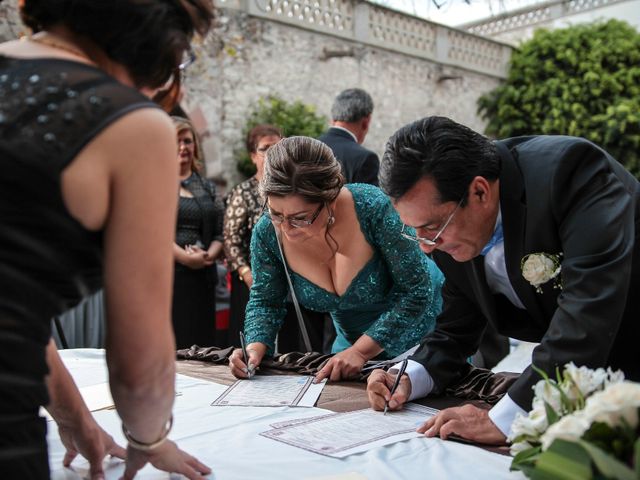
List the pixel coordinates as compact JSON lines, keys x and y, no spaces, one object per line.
{"x":379,"y":389}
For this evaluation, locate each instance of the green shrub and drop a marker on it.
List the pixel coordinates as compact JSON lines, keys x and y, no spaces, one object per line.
{"x":583,"y":81}
{"x":292,"y":118}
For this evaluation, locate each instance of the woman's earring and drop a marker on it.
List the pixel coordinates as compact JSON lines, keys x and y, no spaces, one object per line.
{"x":331,"y":220}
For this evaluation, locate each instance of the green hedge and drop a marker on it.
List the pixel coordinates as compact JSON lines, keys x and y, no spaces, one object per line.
{"x":582,"y":80}
{"x":293,"y":119}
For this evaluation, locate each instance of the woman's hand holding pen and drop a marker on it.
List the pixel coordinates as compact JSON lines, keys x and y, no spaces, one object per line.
{"x":379,"y":387}
{"x":255,"y":353}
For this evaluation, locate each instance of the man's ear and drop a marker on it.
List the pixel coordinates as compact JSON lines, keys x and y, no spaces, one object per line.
{"x":480,"y":191}
{"x":365,"y":123}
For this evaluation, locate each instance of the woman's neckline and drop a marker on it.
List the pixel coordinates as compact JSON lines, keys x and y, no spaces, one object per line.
{"x":51,"y":59}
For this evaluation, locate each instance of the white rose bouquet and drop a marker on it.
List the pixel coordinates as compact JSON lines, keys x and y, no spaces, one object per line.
{"x":585,"y":425}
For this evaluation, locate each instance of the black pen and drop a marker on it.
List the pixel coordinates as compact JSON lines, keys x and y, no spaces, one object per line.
{"x":396,"y":382}
{"x":245,"y":355}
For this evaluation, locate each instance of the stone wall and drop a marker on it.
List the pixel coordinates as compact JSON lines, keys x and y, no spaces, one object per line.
{"x":249,"y":56}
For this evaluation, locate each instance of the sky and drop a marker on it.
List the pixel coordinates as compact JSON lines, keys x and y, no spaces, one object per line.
{"x":456,"y":12}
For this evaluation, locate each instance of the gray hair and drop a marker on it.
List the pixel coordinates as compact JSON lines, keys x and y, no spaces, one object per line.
{"x":302,"y":166}
{"x":351,"y":105}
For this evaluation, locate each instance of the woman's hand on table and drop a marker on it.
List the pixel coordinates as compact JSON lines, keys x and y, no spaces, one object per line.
{"x":379,"y":386}
{"x":239,"y":369}
{"x":88,"y":439}
{"x":167,"y":457}
{"x":343,"y":365}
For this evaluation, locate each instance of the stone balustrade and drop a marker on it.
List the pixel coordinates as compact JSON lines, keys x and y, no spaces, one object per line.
{"x":534,"y":15}
{"x":371,"y":24}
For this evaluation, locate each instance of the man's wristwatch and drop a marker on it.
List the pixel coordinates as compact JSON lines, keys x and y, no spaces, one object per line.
{"x":242,"y":271}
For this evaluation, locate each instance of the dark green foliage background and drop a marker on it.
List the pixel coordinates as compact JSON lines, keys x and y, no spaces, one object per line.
{"x":293,"y":119}
{"x":583,"y":81}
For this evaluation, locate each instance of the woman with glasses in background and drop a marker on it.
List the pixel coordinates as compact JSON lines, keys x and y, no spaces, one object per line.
{"x":345,"y":254}
{"x":244,"y":208}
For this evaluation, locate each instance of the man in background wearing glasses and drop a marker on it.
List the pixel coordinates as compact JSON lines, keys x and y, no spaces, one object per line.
{"x":488,"y":211}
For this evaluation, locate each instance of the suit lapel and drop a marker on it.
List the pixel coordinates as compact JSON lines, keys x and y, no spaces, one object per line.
{"x":514,"y":223}
{"x":481,"y":288}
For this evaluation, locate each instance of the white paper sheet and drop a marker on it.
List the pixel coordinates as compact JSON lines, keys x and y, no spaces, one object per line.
{"x":272,"y":391}
{"x":96,"y":397}
{"x":343,"y":434}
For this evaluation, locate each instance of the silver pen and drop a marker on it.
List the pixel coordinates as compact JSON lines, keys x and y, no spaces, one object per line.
{"x":245,"y":355}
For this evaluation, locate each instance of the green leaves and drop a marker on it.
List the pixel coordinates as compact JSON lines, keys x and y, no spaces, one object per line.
{"x":606,"y":464}
{"x":563,"y":461}
{"x":566,"y":460}
{"x":636,"y":457}
{"x":294,"y":118}
{"x":525,"y":461}
{"x":583,"y":81}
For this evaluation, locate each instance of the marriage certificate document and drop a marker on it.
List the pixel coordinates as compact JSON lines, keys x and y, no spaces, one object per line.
{"x":343,"y":434}
{"x":272,"y":391}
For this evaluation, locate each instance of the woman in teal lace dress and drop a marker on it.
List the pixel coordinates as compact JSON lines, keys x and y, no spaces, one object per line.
{"x":345,"y":255}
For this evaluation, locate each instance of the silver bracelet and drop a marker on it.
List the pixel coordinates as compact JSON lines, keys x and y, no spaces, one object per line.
{"x":147,"y":447}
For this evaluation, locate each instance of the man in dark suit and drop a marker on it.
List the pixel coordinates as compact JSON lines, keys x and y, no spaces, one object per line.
{"x":351,"y":114}
{"x":489,"y":211}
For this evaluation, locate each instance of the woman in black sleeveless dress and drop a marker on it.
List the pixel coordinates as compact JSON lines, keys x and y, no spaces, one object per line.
{"x":88,"y":176}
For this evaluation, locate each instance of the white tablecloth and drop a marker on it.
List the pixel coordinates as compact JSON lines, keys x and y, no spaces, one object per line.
{"x":227,"y":439}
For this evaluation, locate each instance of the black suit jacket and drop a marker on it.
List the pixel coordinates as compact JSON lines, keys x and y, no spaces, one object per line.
{"x":359,"y":165}
{"x":557,"y":195}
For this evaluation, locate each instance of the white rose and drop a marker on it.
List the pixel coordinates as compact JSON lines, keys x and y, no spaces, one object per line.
{"x":538,"y":269}
{"x":538,"y":419}
{"x":585,"y":380}
{"x":544,"y":392}
{"x":519,"y":447}
{"x":614,"y":377}
{"x":523,"y":426}
{"x":617,"y":401}
{"x":571,"y":427}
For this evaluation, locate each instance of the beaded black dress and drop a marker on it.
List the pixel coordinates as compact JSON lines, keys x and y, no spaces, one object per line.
{"x":49,"y":110}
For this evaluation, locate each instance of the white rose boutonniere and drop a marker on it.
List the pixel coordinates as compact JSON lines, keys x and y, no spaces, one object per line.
{"x":539,"y":268}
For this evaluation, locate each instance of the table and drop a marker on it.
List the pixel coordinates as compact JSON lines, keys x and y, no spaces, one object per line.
{"x":227,"y":438}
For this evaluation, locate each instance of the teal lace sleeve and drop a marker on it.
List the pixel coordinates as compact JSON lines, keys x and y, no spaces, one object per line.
{"x":415,"y":296}
{"x":267,"y":301}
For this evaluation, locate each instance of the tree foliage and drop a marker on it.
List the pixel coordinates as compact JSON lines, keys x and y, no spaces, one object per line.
{"x":582,"y":80}
{"x":293,"y":119}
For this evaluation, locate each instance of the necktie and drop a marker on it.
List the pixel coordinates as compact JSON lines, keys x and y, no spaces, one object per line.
{"x":495,"y":239}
